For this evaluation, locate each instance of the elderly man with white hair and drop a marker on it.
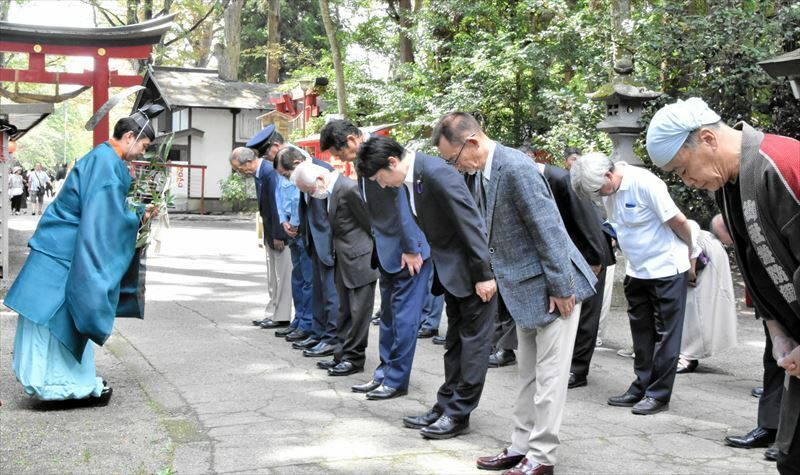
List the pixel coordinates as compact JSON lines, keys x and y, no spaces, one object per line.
{"x":654,"y":236}
{"x":756,"y":178}
{"x":353,"y":273}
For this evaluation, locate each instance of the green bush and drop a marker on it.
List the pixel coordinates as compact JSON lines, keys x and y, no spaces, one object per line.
{"x":239,"y":192}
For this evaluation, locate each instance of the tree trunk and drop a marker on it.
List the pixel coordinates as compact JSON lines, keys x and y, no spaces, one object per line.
{"x":273,"y":41}
{"x":228,"y":54}
{"x":341,"y":97}
{"x":132,"y":16}
{"x":405,"y":24}
{"x":621,"y":14}
{"x":148,"y":9}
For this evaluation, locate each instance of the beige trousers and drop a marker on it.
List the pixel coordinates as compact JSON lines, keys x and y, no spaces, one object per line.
{"x":279,"y":285}
{"x":544,"y":356}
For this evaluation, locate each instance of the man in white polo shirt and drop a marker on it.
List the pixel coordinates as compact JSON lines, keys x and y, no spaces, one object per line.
{"x":653,"y":234}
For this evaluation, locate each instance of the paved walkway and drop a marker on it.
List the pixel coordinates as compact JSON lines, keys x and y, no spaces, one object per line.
{"x":198,"y":389}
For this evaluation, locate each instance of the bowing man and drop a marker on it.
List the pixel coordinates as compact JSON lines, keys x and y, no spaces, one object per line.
{"x":355,"y":277}
{"x":447,"y":214}
{"x":402,"y":255}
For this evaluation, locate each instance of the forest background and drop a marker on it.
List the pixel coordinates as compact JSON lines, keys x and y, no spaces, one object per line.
{"x":525,"y":68}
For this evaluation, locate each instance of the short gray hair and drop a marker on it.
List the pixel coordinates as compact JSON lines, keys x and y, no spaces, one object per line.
{"x":242,"y":155}
{"x":588,"y":173}
{"x":306,"y":174}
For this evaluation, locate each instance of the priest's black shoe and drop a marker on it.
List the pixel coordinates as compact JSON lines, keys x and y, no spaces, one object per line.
{"x":257,"y":323}
{"x":648,"y":406}
{"x":756,"y":438}
{"x":424,"y":420}
{"x":309,"y":342}
{"x":344,"y":368}
{"x":366,"y":387}
{"x":626,"y":400}
{"x":576,"y":381}
{"x":297,"y":335}
{"x":283,"y":332}
{"x":757,"y":391}
{"x":439,"y":340}
{"x":321,"y":349}
{"x":427,"y":332}
{"x":502,"y":358}
{"x":385,"y":392}
{"x":445,"y":427}
{"x":327,"y":364}
{"x":270,"y":323}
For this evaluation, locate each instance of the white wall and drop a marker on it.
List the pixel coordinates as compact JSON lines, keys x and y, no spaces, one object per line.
{"x":212,"y":149}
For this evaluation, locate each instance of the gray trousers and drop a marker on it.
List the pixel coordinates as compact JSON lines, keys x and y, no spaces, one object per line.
{"x":543,"y":358}
{"x":279,"y":284}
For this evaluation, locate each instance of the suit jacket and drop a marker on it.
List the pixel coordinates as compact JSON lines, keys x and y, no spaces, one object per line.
{"x":267,"y":207}
{"x":352,"y":239}
{"x":393,"y":226}
{"x":532,"y":255}
{"x":448,"y":216}
{"x":315,"y":227}
{"x":581,"y":218}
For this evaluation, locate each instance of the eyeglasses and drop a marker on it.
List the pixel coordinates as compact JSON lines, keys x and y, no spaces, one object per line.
{"x":454,"y":161}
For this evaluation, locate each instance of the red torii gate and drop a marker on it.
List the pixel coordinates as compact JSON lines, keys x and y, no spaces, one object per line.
{"x":126,"y":42}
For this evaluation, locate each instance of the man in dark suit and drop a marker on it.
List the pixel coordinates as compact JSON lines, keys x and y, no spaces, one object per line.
{"x":355,"y":277}
{"x":448,"y":216}
{"x":402,"y":256}
{"x":279,"y":262}
{"x":315,"y":227}
{"x":541,"y":278}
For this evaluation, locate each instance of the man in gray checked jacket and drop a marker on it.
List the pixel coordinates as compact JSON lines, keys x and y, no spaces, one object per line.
{"x":541,"y":279}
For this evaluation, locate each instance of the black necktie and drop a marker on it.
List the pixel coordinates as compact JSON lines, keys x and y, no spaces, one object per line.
{"x":476,"y":188}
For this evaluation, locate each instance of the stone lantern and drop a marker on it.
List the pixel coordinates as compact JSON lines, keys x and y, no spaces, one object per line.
{"x":786,"y":65}
{"x":624,"y":103}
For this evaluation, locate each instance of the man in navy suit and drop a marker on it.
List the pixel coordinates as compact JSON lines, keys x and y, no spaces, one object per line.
{"x":456,"y":232}
{"x":279,"y":262}
{"x":315,"y":227}
{"x":402,"y":255}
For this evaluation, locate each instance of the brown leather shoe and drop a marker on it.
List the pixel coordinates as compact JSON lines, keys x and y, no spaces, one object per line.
{"x":501,"y":461}
{"x":527,"y":467}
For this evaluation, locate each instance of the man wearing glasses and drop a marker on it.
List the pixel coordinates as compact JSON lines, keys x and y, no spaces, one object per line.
{"x":541,"y":280}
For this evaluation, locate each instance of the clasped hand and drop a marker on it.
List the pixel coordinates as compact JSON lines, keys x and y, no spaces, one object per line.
{"x":787,"y":353}
{"x":486,"y":289}
{"x":565,"y":305}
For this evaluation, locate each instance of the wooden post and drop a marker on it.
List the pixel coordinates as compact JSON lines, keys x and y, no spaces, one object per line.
{"x":100,"y":95}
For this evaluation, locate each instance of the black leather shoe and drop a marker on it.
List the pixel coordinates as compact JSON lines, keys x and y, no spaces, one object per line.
{"x":424,"y":420}
{"x":427,"y":332}
{"x":376,"y":320}
{"x":648,"y":406}
{"x":366,"y":387}
{"x":344,"y":368}
{"x":257,"y":323}
{"x":439,"y":340}
{"x":502,"y":358}
{"x":269,"y":323}
{"x":283,"y":332}
{"x":327,"y":364}
{"x":757,"y":391}
{"x":771,"y":454}
{"x":756,"y":438}
{"x":385,"y":392}
{"x":297,"y":335}
{"x":626,"y":400}
{"x":576,"y":381}
{"x":309,"y":342}
{"x":321,"y":349}
{"x":445,"y":427}
{"x":686,"y":366}
{"x":501,"y":461}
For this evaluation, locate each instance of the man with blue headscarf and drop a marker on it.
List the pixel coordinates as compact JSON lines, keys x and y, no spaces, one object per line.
{"x":756,"y":178}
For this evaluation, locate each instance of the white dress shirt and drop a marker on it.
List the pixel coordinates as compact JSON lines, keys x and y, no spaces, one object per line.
{"x":409,"y":157}
{"x":639,"y":212}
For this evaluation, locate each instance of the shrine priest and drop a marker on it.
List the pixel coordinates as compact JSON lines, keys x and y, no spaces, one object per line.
{"x":68,"y":290}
